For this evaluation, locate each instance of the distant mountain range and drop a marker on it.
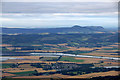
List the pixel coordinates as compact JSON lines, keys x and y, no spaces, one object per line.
{"x":74,"y":29}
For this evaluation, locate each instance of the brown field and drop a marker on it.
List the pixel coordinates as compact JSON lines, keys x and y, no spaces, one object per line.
{"x":43,"y":76}
{"x":55,"y":49}
{"x":110,"y":63}
{"x":107,"y":50}
{"x":102,"y":54}
{"x":106,"y":47}
{"x":18,"y":69}
{"x":7,"y":74}
{"x":63,"y":44}
{"x":38,"y":51}
{"x":50,"y":45}
{"x":41,"y":70}
{"x":28,"y":61}
{"x":36,"y":45}
{"x":109,"y":73}
{"x":100,"y":32}
{"x":23,"y":69}
{"x":5,"y":45}
{"x":10,"y":48}
{"x":32,"y":61}
{"x":82,"y":48}
{"x":28,"y":57}
{"x":11,"y":61}
{"x":117,"y":43}
{"x":114,"y":45}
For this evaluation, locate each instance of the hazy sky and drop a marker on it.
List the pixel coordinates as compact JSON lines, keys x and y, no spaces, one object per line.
{"x":59,"y":14}
{"x":60,"y":0}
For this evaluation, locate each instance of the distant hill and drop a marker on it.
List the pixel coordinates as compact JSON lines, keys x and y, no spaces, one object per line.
{"x":74,"y":29}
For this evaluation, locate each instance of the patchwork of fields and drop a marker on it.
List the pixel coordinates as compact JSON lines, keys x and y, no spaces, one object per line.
{"x":24,"y":68}
{"x":31,"y":66}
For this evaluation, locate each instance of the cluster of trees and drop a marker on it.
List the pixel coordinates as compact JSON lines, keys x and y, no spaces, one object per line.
{"x":81,"y":69}
{"x":88,"y":40}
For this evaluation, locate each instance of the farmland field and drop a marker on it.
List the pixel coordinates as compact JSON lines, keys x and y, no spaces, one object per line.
{"x":28,"y":63}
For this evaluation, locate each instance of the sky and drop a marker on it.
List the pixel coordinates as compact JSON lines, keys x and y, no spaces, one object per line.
{"x":59,"y":13}
{"x":60,"y":0}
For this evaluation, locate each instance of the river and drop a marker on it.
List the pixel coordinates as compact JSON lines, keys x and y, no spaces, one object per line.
{"x":73,"y":55}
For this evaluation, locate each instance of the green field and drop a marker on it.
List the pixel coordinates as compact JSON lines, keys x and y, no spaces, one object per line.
{"x":24,"y":73}
{"x":70,"y":59}
{"x":49,"y":58}
{"x":110,"y":49}
{"x":9,"y":65}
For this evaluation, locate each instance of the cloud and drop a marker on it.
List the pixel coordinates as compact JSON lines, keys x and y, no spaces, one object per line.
{"x":57,"y":14}
{"x":60,"y":0}
{"x":6,"y":19}
{"x":57,"y":20}
{"x":59,"y":7}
